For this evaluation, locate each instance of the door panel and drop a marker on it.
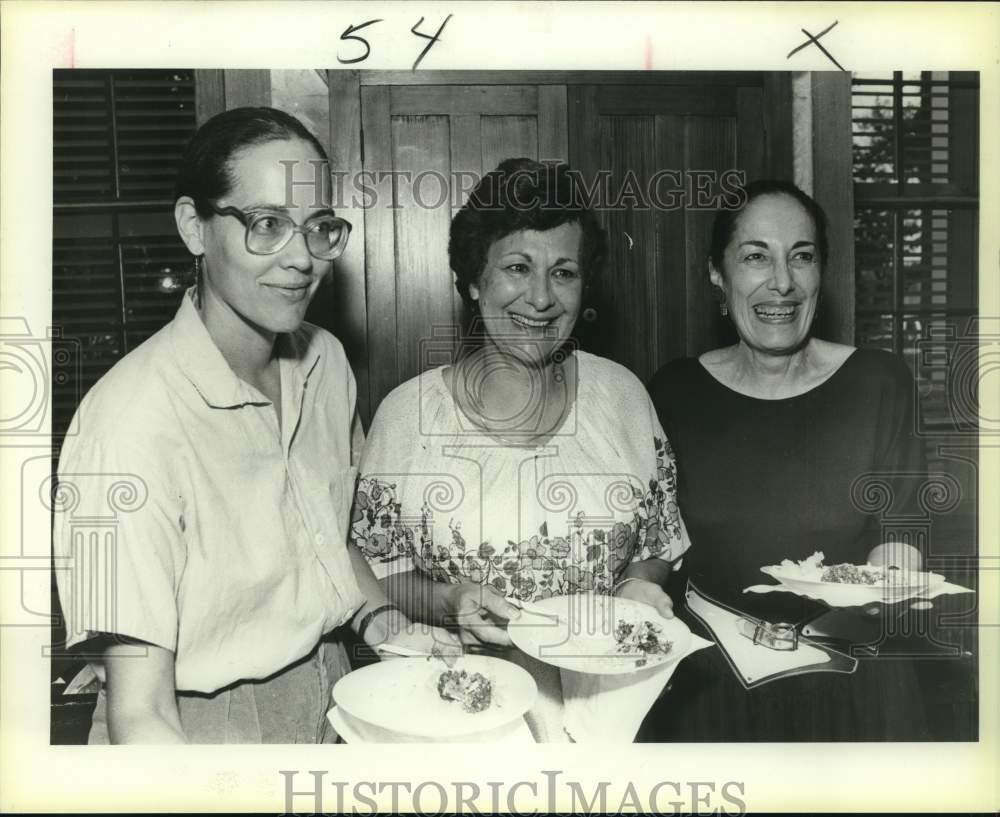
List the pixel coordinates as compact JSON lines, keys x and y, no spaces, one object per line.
{"x":710,"y":143}
{"x":654,"y":302}
{"x":508,"y":137}
{"x":421,"y":149}
{"x":625,"y":296}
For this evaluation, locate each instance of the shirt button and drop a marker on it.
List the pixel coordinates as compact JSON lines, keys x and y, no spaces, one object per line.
{"x":320,"y":539}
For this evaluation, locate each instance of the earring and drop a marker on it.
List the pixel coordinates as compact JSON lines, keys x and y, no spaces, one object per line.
{"x":197,"y":273}
{"x":720,"y":295}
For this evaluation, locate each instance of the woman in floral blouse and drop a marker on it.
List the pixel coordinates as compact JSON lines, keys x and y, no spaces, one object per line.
{"x":526,"y":468}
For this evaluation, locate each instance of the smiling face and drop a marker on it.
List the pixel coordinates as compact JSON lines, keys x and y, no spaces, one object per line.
{"x":771,"y":274}
{"x":269,"y":293}
{"x":530,"y":291}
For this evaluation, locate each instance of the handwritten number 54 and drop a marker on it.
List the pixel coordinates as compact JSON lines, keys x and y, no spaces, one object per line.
{"x":350,"y":34}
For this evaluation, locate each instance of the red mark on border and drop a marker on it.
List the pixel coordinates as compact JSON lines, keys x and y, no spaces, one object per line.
{"x":649,"y":52}
{"x":71,"y":50}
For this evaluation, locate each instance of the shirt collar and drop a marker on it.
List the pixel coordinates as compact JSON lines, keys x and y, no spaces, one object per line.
{"x":203,"y":364}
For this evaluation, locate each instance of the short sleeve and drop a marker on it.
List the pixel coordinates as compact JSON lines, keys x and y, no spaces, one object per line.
{"x":357,"y":440}
{"x":118,"y":542}
{"x":661,"y":531}
{"x":380,"y":527}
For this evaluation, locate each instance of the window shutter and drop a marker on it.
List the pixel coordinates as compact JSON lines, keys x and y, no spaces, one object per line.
{"x":118,"y":265}
{"x":915,"y":142}
{"x":82,"y":138}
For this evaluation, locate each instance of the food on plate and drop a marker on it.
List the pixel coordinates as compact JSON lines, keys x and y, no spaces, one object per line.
{"x":472,"y":690}
{"x":845,"y":573}
{"x":644,"y":639}
{"x":855,"y":574}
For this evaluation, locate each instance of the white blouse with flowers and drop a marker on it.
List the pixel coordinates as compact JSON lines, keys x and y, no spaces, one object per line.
{"x":439,"y":496}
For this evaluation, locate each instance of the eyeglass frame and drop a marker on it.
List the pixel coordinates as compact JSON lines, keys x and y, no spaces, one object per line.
{"x":245,"y":217}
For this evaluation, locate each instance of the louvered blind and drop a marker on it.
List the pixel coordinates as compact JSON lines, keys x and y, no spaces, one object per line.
{"x":915,"y":109}
{"x":915,"y":144}
{"x":118,"y":264}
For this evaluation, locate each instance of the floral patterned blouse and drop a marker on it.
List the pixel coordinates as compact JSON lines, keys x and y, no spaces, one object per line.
{"x":438,"y":495}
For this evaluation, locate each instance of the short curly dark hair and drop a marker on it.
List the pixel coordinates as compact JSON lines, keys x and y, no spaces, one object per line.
{"x":521,"y":194}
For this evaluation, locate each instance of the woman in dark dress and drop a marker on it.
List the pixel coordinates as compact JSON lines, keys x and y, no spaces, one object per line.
{"x":771,"y":436}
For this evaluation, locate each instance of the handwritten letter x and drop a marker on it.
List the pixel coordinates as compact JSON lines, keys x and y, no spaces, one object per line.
{"x":815,"y":41}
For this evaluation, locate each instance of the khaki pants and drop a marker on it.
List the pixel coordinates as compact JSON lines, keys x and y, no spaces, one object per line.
{"x":288,"y":707}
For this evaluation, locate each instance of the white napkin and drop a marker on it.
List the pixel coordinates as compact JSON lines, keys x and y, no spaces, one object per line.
{"x":86,"y":681}
{"x":754,"y":663}
{"x":353,"y":730}
{"x":845,"y":595}
{"x":610,"y":708}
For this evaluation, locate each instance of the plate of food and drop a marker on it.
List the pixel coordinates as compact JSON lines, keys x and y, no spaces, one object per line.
{"x":425,"y":698}
{"x":861,"y":584}
{"x":597,"y":634}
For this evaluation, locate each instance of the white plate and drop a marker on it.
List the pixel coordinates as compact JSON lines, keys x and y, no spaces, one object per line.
{"x":583,"y":638}
{"x":352,"y":730}
{"x":807,"y":581}
{"x":400,"y":695}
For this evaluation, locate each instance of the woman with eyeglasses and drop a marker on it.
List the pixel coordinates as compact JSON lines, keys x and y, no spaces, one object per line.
{"x":227,"y":573}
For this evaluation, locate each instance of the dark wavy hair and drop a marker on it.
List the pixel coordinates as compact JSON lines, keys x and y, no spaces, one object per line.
{"x":521,"y":194}
{"x":205,"y":170}
{"x":726,"y":220}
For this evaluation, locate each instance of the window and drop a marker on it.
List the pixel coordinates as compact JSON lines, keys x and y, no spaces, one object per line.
{"x":916,"y":195}
{"x":118,"y":264}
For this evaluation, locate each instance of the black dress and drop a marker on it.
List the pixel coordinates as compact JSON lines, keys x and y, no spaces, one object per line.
{"x":764,"y":480}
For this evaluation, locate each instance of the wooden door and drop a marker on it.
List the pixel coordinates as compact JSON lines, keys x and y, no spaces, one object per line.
{"x":654,"y":302}
{"x":423,"y":147}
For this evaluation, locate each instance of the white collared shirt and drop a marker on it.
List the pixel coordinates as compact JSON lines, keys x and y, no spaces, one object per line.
{"x":186,"y":518}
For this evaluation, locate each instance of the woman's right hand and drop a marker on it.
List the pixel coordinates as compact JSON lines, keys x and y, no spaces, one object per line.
{"x":480,"y":612}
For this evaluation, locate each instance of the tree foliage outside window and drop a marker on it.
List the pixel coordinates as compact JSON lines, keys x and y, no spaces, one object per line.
{"x":915,"y":162}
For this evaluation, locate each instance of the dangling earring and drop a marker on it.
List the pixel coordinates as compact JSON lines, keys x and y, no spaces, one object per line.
{"x":720,"y":294}
{"x":197,"y":273}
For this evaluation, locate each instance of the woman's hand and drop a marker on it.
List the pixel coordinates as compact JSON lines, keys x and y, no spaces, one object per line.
{"x":425,"y":638}
{"x":896,"y":554}
{"x":393,"y":627}
{"x":480,"y":612}
{"x":905,"y":557}
{"x":648,"y":592}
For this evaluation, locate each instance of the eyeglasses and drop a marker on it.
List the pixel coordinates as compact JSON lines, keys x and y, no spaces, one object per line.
{"x":269,"y":232}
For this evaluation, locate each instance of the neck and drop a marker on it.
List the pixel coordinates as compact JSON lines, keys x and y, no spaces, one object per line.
{"x":771,"y":374}
{"x":514,"y":396}
{"x":248,"y":349}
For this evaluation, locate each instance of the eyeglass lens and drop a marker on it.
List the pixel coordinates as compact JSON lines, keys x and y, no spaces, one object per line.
{"x":268,"y":232}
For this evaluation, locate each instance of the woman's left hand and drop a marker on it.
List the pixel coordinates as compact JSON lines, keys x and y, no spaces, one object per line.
{"x":648,"y":592}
